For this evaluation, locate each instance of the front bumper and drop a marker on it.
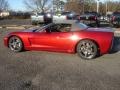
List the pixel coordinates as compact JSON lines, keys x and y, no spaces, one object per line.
{"x":6,"y":41}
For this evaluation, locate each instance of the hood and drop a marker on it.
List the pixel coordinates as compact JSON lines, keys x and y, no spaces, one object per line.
{"x":100,"y":29}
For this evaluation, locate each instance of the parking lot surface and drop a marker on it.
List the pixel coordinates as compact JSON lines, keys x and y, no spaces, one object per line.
{"x":15,"y":22}
{"x":38,"y":70}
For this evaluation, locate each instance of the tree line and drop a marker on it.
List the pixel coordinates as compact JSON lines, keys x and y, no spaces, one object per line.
{"x":79,"y":6}
{"x":91,"y":5}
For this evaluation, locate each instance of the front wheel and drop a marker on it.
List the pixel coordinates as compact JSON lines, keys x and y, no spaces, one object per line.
{"x":15,"y":44}
{"x":87,"y":49}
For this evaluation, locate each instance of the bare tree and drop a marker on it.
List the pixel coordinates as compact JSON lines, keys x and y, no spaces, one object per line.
{"x":37,"y":5}
{"x":73,"y":5}
{"x":4,"y":5}
{"x":90,"y":5}
{"x":102,"y":8}
{"x":113,"y":6}
{"x":80,"y":6}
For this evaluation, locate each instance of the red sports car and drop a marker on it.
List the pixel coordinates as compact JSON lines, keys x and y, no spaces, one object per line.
{"x":72,"y":37}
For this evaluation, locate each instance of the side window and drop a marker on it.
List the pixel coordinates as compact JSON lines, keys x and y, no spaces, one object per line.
{"x":65,"y":28}
{"x":55,"y":28}
{"x":52,"y":28}
{"x":59,"y":28}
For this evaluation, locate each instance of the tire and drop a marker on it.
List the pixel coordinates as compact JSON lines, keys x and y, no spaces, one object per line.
{"x":15,"y":44}
{"x":98,"y":23}
{"x":87,"y":49}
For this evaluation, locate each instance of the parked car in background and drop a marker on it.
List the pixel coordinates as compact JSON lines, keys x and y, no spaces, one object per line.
{"x":41,"y":18}
{"x":55,"y":18}
{"x":115,"y":19}
{"x":90,"y":18}
{"x":19,"y":15}
{"x":64,"y":16}
{"x":104,"y":19}
{"x":72,"y":37}
{"x":4,"y":14}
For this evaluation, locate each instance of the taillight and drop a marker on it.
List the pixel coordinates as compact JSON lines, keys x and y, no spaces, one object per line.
{"x":95,"y":18}
{"x":113,"y":18}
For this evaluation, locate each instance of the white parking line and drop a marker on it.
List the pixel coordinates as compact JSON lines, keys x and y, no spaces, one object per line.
{"x":15,"y":27}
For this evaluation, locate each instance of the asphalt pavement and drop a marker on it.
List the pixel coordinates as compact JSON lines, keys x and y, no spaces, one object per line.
{"x":39,"y":70}
{"x":15,"y":22}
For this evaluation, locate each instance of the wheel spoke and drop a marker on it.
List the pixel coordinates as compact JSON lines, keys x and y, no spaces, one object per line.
{"x":86,"y":54}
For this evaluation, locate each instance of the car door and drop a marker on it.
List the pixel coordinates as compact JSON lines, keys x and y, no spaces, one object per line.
{"x":60,"y":37}
{"x":54,"y":41}
{"x":40,"y":41}
{"x":51,"y":40}
{"x":60,"y":41}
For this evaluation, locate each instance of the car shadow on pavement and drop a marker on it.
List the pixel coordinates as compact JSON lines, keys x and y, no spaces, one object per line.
{"x":116,"y":45}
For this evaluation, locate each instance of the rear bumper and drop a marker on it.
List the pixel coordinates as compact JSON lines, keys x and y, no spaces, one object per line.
{"x":88,"y":21}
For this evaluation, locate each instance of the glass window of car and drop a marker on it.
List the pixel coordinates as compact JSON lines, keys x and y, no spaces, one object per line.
{"x":40,"y":13}
{"x":116,"y":13}
{"x":59,"y":28}
{"x":79,"y":26}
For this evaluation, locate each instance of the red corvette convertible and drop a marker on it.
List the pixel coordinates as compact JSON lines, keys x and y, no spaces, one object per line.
{"x":72,"y":37}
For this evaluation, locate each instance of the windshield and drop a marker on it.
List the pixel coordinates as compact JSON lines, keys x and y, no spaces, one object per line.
{"x":40,"y":29}
{"x":91,"y":13}
{"x":116,"y":14}
{"x":82,"y":26}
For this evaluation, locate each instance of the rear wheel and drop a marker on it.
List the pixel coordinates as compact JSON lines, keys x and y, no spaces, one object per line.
{"x":87,"y":49}
{"x":15,"y":44}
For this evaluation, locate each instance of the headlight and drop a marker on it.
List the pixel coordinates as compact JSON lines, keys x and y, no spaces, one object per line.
{"x":48,"y":15}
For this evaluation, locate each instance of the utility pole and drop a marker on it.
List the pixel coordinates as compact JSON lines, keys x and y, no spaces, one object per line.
{"x":83,"y":2}
{"x":98,"y":4}
{"x":106,"y":7}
